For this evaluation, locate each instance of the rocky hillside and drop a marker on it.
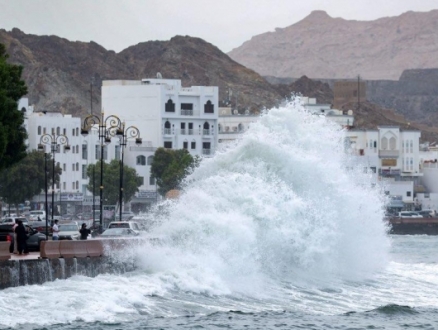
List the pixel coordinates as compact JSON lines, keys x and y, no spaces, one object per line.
{"x":59,"y":72}
{"x":307,"y":87}
{"x":320,"y":46}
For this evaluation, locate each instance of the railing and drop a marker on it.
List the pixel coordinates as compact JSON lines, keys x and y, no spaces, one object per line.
{"x":168,"y":131}
{"x":206,"y":132}
{"x":186,"y":112}
{"x":190,"y":131}
{"x":183,"y":131}
{"x":207,"y":152}
{"x":389,"y":153}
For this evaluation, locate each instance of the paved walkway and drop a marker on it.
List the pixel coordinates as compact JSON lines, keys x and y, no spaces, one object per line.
{"x":29,"y":256}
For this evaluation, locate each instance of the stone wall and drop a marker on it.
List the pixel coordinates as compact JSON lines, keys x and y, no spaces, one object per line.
{"x":38,"y":271}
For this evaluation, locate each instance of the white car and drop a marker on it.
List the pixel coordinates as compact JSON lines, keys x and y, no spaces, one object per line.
{"x":125,"y":224}
{"x":69,"y":231}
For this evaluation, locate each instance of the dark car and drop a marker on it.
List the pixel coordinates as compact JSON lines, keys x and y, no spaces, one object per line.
{"x":33,"y":242}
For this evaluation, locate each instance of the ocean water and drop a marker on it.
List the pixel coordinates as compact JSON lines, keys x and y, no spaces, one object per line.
{"x":272,"y":233}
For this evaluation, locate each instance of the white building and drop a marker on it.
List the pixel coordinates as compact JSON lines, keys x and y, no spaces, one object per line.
{"x":45,"y":128}
{"x":167,"y":115}
{"x":232,"y":125}
{"x":345,"y":119}
{"x":392,"y":154}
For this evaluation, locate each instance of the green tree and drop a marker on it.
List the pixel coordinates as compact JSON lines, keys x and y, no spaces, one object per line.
{"x":170,"y":167}
{"x":26,"y":178}
{"x":111,"y":181}
{"x":12,"y":132}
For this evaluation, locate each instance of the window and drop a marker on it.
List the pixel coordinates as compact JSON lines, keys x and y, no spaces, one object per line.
{"x":193,"y":145}
{"x":141,"y":180}
{"x":190,"y":129}
{"x":167,"y":129}
{"x":183,"y":128}
{"x":77,"y":167}
{"x":39,"y":130}
{"x":152,"y":181}
{"x":73,"y":132}
{"x":117,"y":152}
{"x":84,"y":151}
{"x":141,"y":160}
{"x":64,"y":167}
{"x":170,"y":106}
{"x":408,"y":194}
{"x":64,"y":185}
{"x":64,"y":131}
{"x":77,"y":131}
{"x":58,"y":130}
{"x":168,"y":145}
{"x":97,"y":152}
{"x":150,"y":160}
{"x":73,"y":186}
{"x":84,"y":171}
{"x":185,"y":145}
{"x":73,"y":167}
{"x":44,"y":130}
{"x":208,"y":107}
{"x":187,"y":109}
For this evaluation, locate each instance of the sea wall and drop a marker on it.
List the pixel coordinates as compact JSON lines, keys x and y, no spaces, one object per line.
{"x":38,"y":271}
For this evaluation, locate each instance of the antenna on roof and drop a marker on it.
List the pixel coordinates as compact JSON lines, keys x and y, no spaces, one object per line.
{"x":159,"y":76}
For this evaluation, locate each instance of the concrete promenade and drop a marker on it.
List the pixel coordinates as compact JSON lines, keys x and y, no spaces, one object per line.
{"x":63,"y":259}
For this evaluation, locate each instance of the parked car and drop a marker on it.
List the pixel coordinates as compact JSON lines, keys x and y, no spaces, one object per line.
{"x":33,"y":215}
{"x":118,"y":232}
{"x":13,"y":219}
{"x":68,"y":231}
{"x":125,"y":224}
{"x":41,"y":226}
{"x":33,"y":242}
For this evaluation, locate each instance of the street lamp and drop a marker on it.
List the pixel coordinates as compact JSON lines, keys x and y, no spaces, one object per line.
{"x":124,"y":135}
{"x":54,"y":141}
{"x":107,"y":128}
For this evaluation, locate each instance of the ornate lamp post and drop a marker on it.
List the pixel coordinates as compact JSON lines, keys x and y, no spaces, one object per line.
{"x":125,"y":134}
{"x":54,"y":141}
{"x":107,"y":128}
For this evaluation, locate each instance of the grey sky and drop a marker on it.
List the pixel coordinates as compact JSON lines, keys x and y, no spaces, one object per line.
{"x":118,"y":24}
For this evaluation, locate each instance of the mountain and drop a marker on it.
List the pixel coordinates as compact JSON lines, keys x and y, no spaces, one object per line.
{"x":58,"y":72}
{"x":320,"y":46}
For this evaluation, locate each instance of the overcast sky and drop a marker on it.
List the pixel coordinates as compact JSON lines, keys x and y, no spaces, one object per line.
{"x":118,"y":24}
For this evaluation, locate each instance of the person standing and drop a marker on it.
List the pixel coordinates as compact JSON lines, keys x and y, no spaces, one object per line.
{"x":84,"y":231}
{"x":21,"y":238}
{"x":15,"y":237}
{"x":55,"y":231}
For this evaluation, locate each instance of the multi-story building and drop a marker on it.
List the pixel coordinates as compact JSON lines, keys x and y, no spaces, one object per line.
{"x":47,"y":127}
{"x":167,"y":115}
{"x":392,"y":155}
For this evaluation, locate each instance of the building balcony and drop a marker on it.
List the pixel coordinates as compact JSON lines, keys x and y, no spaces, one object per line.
{"x":186,"y":112}
{"x":207,"y":152}
{"x":389,"y":153}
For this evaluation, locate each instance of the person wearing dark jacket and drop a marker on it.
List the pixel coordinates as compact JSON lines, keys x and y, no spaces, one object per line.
{"x":21,"y":238}
{"x":84,"y":231}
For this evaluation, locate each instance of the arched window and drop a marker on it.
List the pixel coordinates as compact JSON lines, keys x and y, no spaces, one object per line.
{"x":39,"y":130}
{"x":208,"y":107}
{"x":150,"y":160}
{"x":141,"y":160}
{"x":392,"y":142}
{"x":170,"y":106}
{"x":206,"y":125}
{"x":167,"y":127}
{"x":384,"y":143}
